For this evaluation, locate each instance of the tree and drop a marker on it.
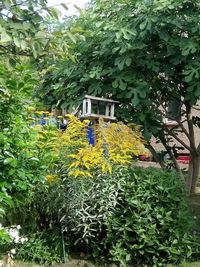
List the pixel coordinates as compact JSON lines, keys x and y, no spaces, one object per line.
{"x":144,"y":54}
{"x":30,"y":29}
{"x":20,"y":27}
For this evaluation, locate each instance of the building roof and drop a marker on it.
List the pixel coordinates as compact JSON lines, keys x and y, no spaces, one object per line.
{"x":102,"y":99}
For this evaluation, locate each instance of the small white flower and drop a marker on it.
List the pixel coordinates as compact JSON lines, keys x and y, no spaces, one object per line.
{"x":18,"y":227}
{"x":13,"y":233}
{"x":16,"y":240}
{"x":23,"y":240}
{"x":13,"y":251}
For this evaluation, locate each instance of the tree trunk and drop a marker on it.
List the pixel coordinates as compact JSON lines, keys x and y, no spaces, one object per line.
{"x":155,"y":155}
{"x":193,"y":173}
{"x":172,"y":156}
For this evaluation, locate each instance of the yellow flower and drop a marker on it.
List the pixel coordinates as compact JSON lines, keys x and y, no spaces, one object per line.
{"x":115,"y":144}
{"x":38,"y":112}
{"x":30,"y":109}
{"x":31,"y":119}
{"x":38,"y":126}
{"x":49,"y":178}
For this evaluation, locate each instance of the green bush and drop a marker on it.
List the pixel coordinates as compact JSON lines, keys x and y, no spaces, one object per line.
{"x":132,"y":217}
{"x":82,"y":206}
{"x":37,"y":250}
{"x":21,"y":167}
{"x":151,"y":224}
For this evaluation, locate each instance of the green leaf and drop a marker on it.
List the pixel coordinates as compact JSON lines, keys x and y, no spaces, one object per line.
{"x":197,"y":91}
{"x":23,"y":45}
{"x":34,"y":159}
{"x":143,"y":25}
{"x":17,"y":42}
{"x":5,"y":37}
{"x":128,"y":61}
{"x":142,"y":93}
{"x":189,"y":48}
{"x":71,"y":36}
{"x":129,"y":94}
{"x":135,"y":99}
{"x":10,"y":161}
{"x":122,"y":85}
{"x":12,"y":62}
{"x":119,"y":62}
{"x":115,"y":83}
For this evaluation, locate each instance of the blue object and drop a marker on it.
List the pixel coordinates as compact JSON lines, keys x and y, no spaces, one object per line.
{"x":90,"y":135}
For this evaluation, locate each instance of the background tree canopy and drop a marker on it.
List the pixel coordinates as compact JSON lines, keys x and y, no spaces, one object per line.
{"x":94,"y":200}
{"x":142,"y":53}
{"x":27,"y":32}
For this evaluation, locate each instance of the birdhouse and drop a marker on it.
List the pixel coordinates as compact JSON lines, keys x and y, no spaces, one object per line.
{"x":98,"y":107}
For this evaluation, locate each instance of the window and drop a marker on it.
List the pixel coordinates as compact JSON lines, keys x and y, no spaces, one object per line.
{"x":174,"y":110}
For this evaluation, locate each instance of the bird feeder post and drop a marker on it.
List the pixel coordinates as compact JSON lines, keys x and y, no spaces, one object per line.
{"x":112,"y":110}
{"x":87,"y":106}
{"x":95,"y":108}
{"x":107,"y":110}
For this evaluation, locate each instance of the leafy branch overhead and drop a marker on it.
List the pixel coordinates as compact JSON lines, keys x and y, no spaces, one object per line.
{"x":28,"y":28}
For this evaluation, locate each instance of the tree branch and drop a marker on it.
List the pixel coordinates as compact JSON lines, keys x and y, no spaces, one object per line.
{"x":155,"y":155}
{"x":190,"y":127}
{"x":170,"y":132}
{"x":180,"y":124}
{"x":198,"y":148}
{"x":191,"y":140}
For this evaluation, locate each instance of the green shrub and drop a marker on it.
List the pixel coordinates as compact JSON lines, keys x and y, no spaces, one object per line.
{"x":151,"y":224}
{"x":132,"y":217}
{"x":38,"y":250}
{"x":82,"y":205}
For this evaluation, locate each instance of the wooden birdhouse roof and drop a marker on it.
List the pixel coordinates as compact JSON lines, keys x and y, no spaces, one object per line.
{"x":98,"y":107}
{"x":101,"y":99}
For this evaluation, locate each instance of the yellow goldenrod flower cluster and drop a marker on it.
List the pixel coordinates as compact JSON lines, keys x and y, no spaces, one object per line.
{"x":50,"y":178}
{"x":115,"y":143}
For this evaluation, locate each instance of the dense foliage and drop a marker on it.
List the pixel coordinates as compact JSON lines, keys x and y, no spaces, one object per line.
{"x":39,"y":250}
{"x":23,"y":164}
{"x":144,"y":54}
{"x":56,"y":154}
{"x":151,"y":223}
{"x":134,"y":216}
{"x":26,"y":31}
{"x":89,"y":198}
{"x":23,"y":38}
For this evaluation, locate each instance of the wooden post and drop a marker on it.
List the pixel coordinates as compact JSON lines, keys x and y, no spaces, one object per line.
{"x":89,"y":106}
{"x":107,"y":110}
{"x":112,"y":110}
{"x":84,"y":106}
